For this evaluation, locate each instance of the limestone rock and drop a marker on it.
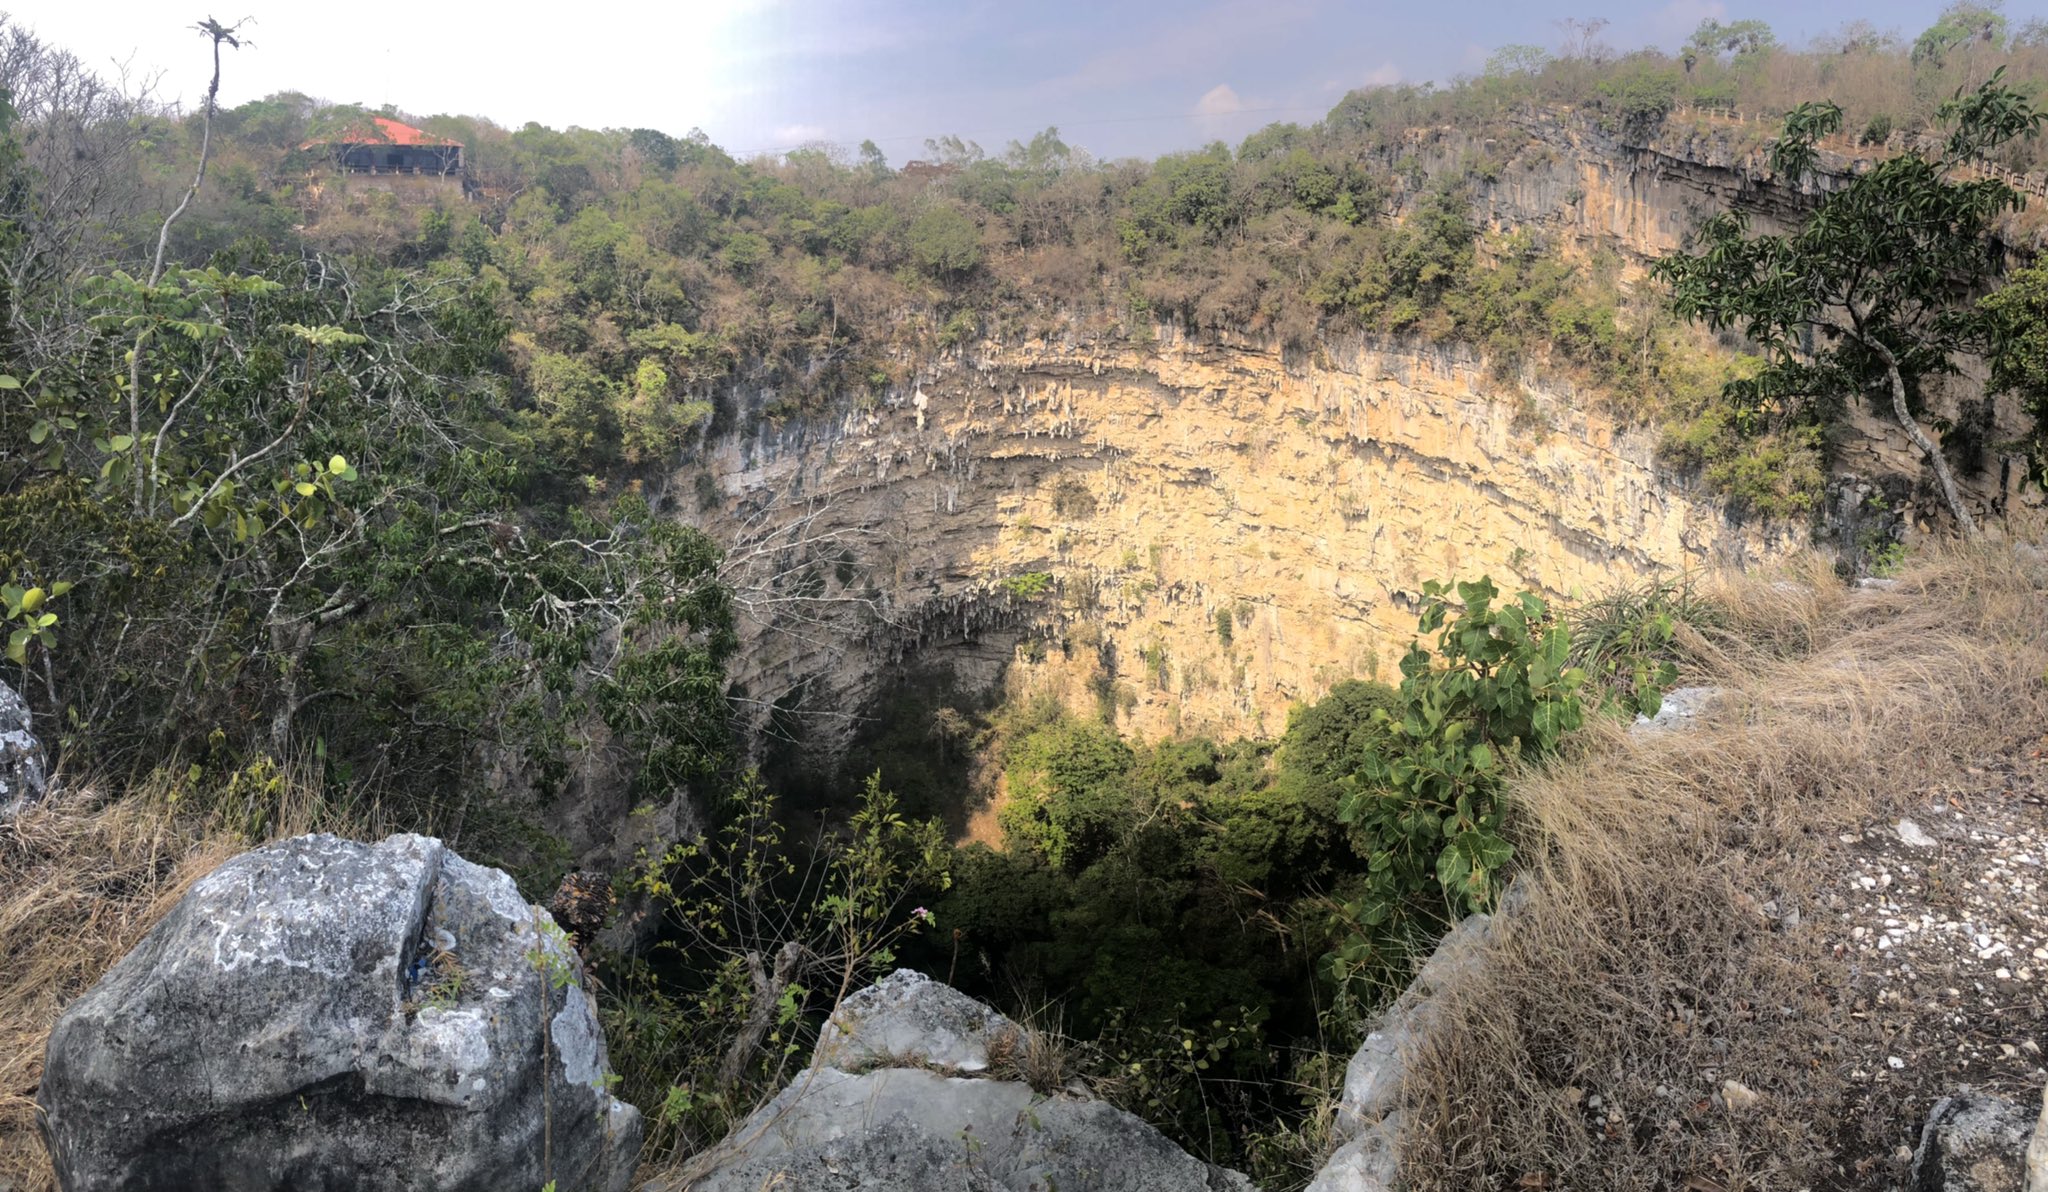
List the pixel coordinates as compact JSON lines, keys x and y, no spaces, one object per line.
{"x":912,"y":1128}
{"x":22,"y":778}
{"x":2037,"y":1150}
{"x":1370,"y":1162}
{"x":320,"y":1013}
{"x":1973,"y":1143}
{"x":1913,"y":835}
{"x":1681,"y":706}
{"x":1373,"y":1078}
{"x":908,"y":1019}
{"x":1370,"y":1113}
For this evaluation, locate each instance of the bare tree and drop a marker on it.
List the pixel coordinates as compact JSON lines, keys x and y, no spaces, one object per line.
{"x":78,"y":185}
{"x":1582,"y":38}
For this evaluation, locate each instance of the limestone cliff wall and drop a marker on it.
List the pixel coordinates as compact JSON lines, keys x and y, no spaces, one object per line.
{"x":1165,"y":487}
{"x":1588,"y":188}
{"x":1305,"y":500}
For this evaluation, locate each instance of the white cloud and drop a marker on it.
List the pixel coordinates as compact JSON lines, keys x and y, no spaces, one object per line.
{"x":797,"y":134}
{"x":1219,"y":100}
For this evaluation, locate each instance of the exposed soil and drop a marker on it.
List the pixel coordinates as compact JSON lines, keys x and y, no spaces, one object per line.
{"x":1943,"y":924}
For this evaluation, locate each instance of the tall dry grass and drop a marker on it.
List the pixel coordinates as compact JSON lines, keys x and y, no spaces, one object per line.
{"x":1657,"y":955}
{"x":82,"y":878}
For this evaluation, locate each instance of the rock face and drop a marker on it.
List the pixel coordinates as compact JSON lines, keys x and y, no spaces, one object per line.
{"x":905,"y":1113}
{"x":22,"y":779}
{"x":1370,"y":1111}
{"x":1160,"y":491}
{"x":320,"y":1013}
{"x":1162,"y":480}
{"x":1975,"y":1143}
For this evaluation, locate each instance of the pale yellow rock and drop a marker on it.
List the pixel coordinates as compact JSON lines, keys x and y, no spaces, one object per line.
{"x":1163,"y":485}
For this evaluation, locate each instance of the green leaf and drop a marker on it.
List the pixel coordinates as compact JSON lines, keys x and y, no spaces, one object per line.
{"x":17,"y":646}
{"x":8,"y":382}
{"x":121,"y":442}
{"x":32,"y":599}
{"x":38,"y":432}
{"x":59,"y":588}
{"x":305,"y":488}
{"x":337,"y":465}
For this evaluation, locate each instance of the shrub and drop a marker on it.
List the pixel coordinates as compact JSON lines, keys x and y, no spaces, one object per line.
{"x":1067,"y":792}
{"x":1425,"y":807}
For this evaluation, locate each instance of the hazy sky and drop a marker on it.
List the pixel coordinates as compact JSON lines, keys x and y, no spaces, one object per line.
{"x":1117,"y":76}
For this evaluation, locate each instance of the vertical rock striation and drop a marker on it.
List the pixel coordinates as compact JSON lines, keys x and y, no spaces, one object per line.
{"x":1200,"y":533}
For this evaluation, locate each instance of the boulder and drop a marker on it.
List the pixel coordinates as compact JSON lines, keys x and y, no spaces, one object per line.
{"x":22,"y":778}
{"x":1370,"y":1110}
{"x":907,"y":1019}
{"x":2037,"y":1150}
{"x":923,"y":1115}
{"x":325,"y":1014}
{"x":1373,"y":1078}
{"x":1973,"y":1142}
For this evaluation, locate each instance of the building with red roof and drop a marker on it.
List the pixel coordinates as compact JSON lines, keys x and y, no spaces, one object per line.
{"x":386,"y":146}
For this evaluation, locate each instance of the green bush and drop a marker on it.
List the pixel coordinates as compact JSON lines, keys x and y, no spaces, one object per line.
{"x":1067,"y":798}
{"x":1426,"y":807}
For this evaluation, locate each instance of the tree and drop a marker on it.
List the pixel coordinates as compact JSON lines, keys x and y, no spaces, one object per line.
{"x":1959,"y":25}
{"x":2018,"y":315}
{"x":1738,"y":38}
{"x":1872,"y":294}
{"x":945,"y":241}
{"x":1582,"y":38}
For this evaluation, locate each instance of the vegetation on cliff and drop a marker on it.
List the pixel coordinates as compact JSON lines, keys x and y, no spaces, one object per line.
{"x":322,"y":491}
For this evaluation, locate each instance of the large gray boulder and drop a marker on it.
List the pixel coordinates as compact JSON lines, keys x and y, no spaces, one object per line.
{"x":1974,"y":1142}
{"x":22,"y":778}
{"x":325,"y":1014}
{"x":920,"y":1111}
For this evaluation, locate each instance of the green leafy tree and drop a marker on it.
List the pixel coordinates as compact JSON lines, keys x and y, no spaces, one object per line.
{"x":2019,"y":358}
{"x":944,"y":241}
{"x":1959,"y":25}
{"x":1872,"y":294}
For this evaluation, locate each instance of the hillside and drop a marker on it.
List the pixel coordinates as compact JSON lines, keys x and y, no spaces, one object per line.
{"x":1495,"y":569}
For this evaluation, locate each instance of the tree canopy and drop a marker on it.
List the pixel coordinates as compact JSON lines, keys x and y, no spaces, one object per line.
{"x":1874,"y":293}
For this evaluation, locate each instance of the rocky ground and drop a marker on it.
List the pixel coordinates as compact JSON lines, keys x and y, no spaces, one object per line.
{"x":1942,"y":917}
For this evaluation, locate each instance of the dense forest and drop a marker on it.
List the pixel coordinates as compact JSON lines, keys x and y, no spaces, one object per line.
{"x":303,"y":485}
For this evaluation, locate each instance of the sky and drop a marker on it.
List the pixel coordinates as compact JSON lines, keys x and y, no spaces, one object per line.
{"x":1117,"y":77}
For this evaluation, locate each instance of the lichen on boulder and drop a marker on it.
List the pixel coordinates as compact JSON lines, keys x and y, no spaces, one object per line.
{"x":325,"y":1013}
{"x":22,"y":776}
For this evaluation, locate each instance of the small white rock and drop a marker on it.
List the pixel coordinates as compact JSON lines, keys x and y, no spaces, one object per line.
{"x":1895,"y":1063}
{"x":1737,"y":1096}
{"x":1913,"y":835}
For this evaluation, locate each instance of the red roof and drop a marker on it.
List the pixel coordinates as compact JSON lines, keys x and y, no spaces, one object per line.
{"x":386,"y":132}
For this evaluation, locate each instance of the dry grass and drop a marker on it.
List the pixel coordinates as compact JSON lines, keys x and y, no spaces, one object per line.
{"x":1654,"y":959}
{"x":82,"y":879}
